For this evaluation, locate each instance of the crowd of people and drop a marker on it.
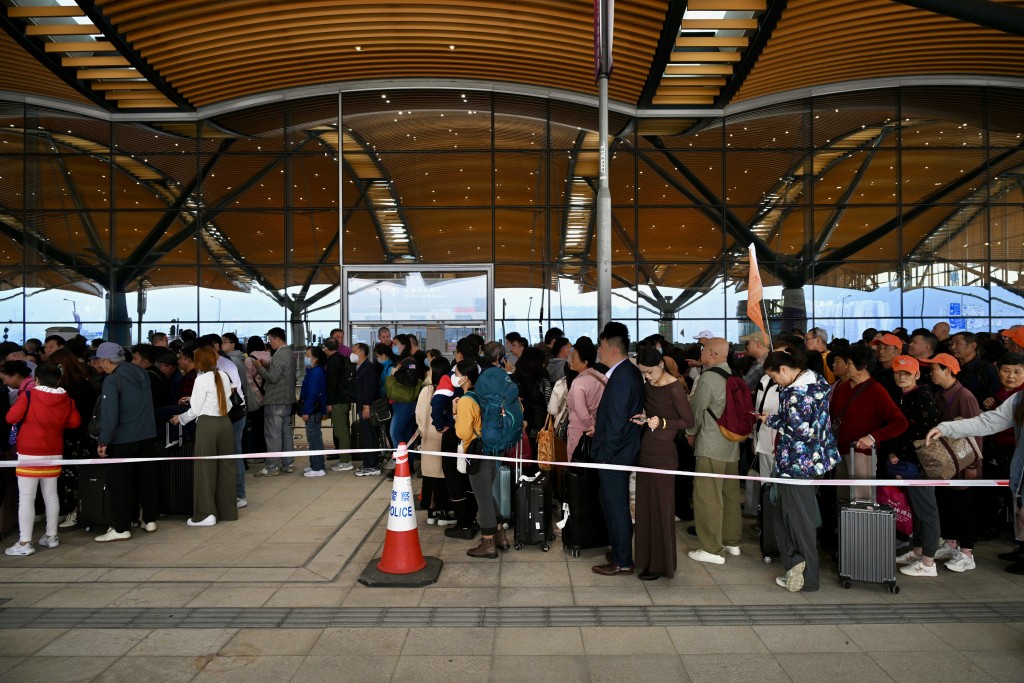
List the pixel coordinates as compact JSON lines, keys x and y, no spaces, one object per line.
{"x":818,"y":409}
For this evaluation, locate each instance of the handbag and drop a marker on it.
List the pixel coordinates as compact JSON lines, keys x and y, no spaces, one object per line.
{"x":549,"y":447}
{"x":896,"y":498}
{"x":946,"y":458}
{"x":380,"y":412}
{"x":582,"y":451}
{"x":16,"y":427}
{"x":237,"y":410}
{"x":401,"y":393}
{"x":562,"y":428}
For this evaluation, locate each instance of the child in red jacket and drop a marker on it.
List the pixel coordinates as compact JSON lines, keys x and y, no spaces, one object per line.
{"x":43,"y":413}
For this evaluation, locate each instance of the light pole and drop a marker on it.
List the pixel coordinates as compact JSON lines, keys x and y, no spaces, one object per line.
{"x":218,"y":312}
{"x":842,"y":313}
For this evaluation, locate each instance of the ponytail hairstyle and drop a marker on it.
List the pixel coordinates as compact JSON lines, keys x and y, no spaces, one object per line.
{"x":206,"y":361}
{"x":794,"y":358}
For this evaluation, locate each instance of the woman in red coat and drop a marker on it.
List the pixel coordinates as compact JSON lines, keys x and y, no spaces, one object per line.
{"x":43,"y":413}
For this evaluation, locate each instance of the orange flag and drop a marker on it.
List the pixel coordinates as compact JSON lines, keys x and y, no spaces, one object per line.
{"x":755,"y":293}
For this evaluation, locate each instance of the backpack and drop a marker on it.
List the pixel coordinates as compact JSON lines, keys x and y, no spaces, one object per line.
{"x":407,"y":374}
{"x":347,"y":384}
{"x":501,"y":413}
{"x":737,"y":420}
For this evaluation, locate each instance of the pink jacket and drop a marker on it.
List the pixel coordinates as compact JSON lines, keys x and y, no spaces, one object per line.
{"x":584,"y":397}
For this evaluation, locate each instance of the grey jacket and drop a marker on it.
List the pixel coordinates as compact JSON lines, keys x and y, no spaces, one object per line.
{"x":238,"y":358}
{"x":126,"y":411}
{"x":280,"y":377}
{"x":709,"y":392}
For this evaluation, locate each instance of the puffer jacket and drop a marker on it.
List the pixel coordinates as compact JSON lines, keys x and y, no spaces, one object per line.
{"x":806,"y":446}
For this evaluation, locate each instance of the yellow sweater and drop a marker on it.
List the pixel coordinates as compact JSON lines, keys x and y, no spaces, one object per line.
{"x":467,"y":420}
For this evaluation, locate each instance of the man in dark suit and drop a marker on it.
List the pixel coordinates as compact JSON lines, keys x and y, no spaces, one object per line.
{"x":617,"y":442}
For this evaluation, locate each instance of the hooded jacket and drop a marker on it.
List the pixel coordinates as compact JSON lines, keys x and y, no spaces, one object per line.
{"x":441,"y":405}
{"x":126,"y":411}
{"x":805,"y":447}
{"x":50,"y":412}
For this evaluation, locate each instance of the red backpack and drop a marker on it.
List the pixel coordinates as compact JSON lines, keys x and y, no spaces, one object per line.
{"x":738,"y":419}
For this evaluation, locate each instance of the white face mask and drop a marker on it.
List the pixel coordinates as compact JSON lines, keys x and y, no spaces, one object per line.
{"x":458,"y":381}
{"x":353,"y":357}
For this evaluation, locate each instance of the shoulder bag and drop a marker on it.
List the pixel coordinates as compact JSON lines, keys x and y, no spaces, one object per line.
{"x":946,"y":458}
{"x":549,"y":447}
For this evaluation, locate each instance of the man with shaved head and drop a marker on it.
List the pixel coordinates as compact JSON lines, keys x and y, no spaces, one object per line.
{"x":941,"y":332}
{"x":716,"y":502}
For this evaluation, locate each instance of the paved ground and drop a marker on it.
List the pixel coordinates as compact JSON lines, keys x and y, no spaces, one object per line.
{"x":274,"y":597}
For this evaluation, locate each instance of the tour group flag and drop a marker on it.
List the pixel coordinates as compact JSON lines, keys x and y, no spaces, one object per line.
{"x":755,"y":293}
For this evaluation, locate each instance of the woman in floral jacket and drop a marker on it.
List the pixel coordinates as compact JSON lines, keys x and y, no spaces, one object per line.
{"x":804,"y":449}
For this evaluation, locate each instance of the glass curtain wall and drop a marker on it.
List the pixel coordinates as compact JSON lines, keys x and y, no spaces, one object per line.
{"x":873,"y":209}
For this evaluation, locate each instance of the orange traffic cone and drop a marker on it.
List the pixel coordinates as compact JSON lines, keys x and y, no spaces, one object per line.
{"x":402,"y":553}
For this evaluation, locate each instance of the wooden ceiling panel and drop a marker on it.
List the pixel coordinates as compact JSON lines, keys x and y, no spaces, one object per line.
{"x":830,"y":41}
{"x":213,"y":52}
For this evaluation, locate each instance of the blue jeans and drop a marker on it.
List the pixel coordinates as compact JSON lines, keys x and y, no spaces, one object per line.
{"x":315,"y":439}
{"x":614,"y":495}
{"x":239,"y":428}
{"x":403,"y":422}
{"x":277,"y":427}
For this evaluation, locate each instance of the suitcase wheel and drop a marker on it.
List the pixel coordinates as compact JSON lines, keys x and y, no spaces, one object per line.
{"x":766,"y":559}
{"x":574,"y":553}
{"x":845,"y":582}
{"x":551,"y":537}
{"x":893,"y":588}
{"x":545,"y":547}
{"x":519,"y":545}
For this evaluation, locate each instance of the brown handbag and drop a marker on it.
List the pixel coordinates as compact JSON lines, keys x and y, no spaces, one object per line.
{"x":549,"y":447}
{"x":946,"y":458}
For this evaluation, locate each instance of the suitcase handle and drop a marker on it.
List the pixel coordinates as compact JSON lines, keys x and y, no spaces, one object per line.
{"x":167,"y":436}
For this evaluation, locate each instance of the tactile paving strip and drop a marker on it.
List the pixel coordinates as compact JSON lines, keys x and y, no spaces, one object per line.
{"x":493,"y":617}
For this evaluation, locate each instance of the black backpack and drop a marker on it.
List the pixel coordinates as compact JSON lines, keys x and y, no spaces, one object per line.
{"x":347,"y":385}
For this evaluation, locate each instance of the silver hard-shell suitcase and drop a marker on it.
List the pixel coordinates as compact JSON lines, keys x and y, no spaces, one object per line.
{"x":867,"y":531}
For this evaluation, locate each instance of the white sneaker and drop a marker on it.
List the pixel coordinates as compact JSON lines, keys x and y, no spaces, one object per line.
{"x":70,"y":520}
{"x":946,"y":552}
{"x":732,"y":549}
{"x":49,"y":542}
{"x":209,"y":521}
{"x":908,"y":558}
{"x":149,"y":527}
{"x":241,"y":502}
{"x":307,"y":469}
{"x":919,"y":568}
{"x":342,"y":466}
{"x":781,"y":581}
{"x":961,"y":563}
{"x":795,"y":577}
{"x":20,"y":549}
{"x":315,"y":473}
{"x":701,"y":555}
{"x":112,"y":535}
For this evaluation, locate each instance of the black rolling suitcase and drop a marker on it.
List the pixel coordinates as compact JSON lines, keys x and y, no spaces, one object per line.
{"x":867,"y":531}
{"x":533,"y":504}
{"x":95,"y":500}
{"x":582,"y":522}
{"x":766,"y":525}
{"x":176,"y":478}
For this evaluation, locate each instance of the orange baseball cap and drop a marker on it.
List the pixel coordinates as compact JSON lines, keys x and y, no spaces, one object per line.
{"x":888,"y":340}
{"x":905,"y":364}
{"x":1016,"y":335}
{"x":946,"y":360}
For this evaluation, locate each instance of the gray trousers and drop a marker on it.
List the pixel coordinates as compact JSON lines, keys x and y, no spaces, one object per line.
{"x":926,"y":518}
{"x":483,"y":489}
{"x":796,"y":512}
{"x":277,"y":428}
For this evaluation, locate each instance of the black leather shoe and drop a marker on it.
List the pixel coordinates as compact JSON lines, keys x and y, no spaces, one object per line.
{"x":611,"y":569}
{"x":1013,"y":556}
{"x":1016,"y":568}
{"x":649,"y":576}
{"x":466,"y":533}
